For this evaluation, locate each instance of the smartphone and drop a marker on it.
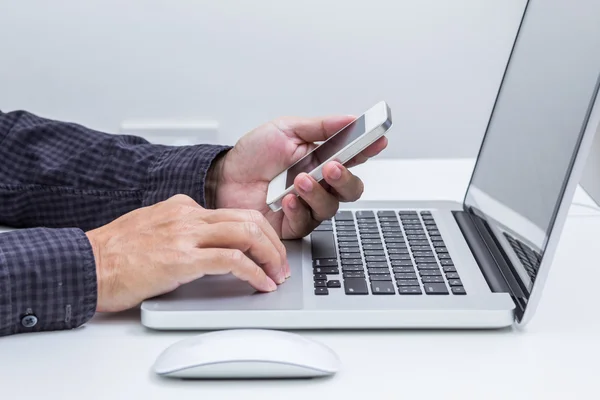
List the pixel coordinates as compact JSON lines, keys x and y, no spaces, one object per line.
{"x":341,"y":147}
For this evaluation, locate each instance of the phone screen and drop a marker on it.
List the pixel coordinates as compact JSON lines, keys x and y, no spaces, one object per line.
{"x":327,"y":149}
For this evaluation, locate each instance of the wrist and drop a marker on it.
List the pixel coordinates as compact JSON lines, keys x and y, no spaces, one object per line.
{"x":102,"y":273}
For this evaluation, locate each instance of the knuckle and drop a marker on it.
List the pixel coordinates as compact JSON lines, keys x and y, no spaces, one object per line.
{"x":253,"y":230}
{"x":236,"y":256}
{"x":255,"y":216}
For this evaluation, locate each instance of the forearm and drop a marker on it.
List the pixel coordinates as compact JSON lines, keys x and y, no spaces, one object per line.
{"x":59,"y":174}
{"x":47,"y":280}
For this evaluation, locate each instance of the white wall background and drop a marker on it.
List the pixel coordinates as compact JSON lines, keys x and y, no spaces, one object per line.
{"x":438,"y":63}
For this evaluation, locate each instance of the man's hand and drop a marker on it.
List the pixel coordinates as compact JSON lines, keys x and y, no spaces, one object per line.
{"x":242,"y":176}
{"x":153,"y":250}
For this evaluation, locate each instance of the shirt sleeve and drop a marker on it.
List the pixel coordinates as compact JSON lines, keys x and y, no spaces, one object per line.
{"x":47,"y":280}
{"x":63,"y":175}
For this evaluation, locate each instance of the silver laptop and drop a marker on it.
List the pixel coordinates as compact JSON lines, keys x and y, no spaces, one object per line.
{"x":481,"y":263}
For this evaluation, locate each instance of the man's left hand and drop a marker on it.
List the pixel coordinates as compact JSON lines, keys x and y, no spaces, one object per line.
{"x":244,"y":173}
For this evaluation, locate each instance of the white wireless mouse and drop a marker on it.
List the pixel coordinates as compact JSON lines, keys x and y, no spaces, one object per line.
{"x":246,"y":354}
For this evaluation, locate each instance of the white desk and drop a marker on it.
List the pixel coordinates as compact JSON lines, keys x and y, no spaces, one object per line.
{"x":557,"y":355}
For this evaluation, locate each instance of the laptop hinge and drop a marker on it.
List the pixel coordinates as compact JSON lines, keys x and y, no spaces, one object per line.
{"x":489,"y":257}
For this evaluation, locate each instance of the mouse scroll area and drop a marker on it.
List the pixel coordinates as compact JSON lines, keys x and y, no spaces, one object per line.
{"x":247,"y":370}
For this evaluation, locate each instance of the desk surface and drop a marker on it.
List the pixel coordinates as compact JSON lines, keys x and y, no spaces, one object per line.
{"x":557,"y":353}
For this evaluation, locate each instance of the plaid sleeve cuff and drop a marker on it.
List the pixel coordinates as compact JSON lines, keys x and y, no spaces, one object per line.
{"x":181,"y":170}
{"x":47,"y":280}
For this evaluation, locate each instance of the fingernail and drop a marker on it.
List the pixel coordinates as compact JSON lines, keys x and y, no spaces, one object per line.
{"x":271,"y":285}
{"x":288,"y":270}
{"x":306,"y":184}
{"x":293,"y":204}
{"x":336,"y":172}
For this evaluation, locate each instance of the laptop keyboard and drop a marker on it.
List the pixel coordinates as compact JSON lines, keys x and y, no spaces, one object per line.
{"x":382,"y":253}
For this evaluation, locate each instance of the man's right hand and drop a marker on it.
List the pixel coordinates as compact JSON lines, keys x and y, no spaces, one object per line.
{"x":155,"y":249}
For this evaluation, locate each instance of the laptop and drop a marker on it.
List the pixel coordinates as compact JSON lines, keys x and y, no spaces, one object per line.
{"x":477,"y":264}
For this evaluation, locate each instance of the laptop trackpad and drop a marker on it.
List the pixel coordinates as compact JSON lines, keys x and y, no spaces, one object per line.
{"x":226,"y":292}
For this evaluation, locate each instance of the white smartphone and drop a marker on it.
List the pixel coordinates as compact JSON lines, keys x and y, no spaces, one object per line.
{"x":341,"y":147}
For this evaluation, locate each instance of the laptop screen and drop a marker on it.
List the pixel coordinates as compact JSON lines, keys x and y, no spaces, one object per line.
{"x":535,"y":129}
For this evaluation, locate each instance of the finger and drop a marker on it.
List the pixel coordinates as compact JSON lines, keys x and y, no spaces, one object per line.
{"x":348,"y":186}
{"x":371,"y":151}
{"x":298,"y":216}
{"x":225,"y":261}
{"x":323,"y":204}
{"x":313,"y":129}
{"x":247,"y":237}
{"x":234,"y":215}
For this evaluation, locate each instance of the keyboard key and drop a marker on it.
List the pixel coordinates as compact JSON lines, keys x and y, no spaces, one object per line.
{"x":422,"y":253}
{"x":396,"y":245}
{"x":320,"y":283}
{"x":349,"y":256}
{"x":344,"y":216}
{"x":323,"y":245}
{"x":454,"y":282}
{"x":408,"y":282}
{"x":438,"y":243}
{"x":346,"y":249}
{"x":370,"y":236}
{"x":446,"y":262}
{"x":399,"y":250}
{"x":425,"y":260}
{"x":371,"y":241}
{"x":433,"y":232}
{"x":379,"y":253}
{"x":413,"y":232}
{"x":352,"y":262}
{"x":372,"y":247}
{"x":386,"y":213}
{"x":349,"y":234}
{"x":403,"y":270}
{"x":416,"y":237}
{"x":388,"y":219}
{"x":325,"y":262}
{"x":411,"y":275}
{"x":375,"y":258}
{"x":407,"y":212}
{"x":435,"y":288}
{"x":334,"y":284}
{"x":354,"y":274}
{"x":319,"y":291}
{"x":392,"y":223}
{"x":368,"y":231}
{"x":401,"y":263}
{"x":440,"y":250}
{"x":449,"y":268}
{"x":326,"y":270}
{"x":377,"y":264}
{"x":458,"y":290}
{"x":428,"y":266}
{"x":355,"y":286}
{"x":394,"y":240}
{"x":348,"y":241}
{"x":341,"y":228}
{"x":320,"y":277}
{"x":393,"y":235}
{"x":452,"y":275}
{"x":419,"y":243}
{"x":324,"y":228}
{"x":365,"y":214}
{"x":409,"y":290}
{"x":420,"y":248}
{"x":381,"y":277}
{"x":382,"y":287}
{"x":378,"y":271}
{"x":400,"y":257}
{"x":443,"y":256}
{"x":430,"y":272}
{"x":348,"y":268}
{"x":432,"y":279}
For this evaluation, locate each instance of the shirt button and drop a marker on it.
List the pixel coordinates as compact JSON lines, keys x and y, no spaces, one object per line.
{"x":29,"y":321}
